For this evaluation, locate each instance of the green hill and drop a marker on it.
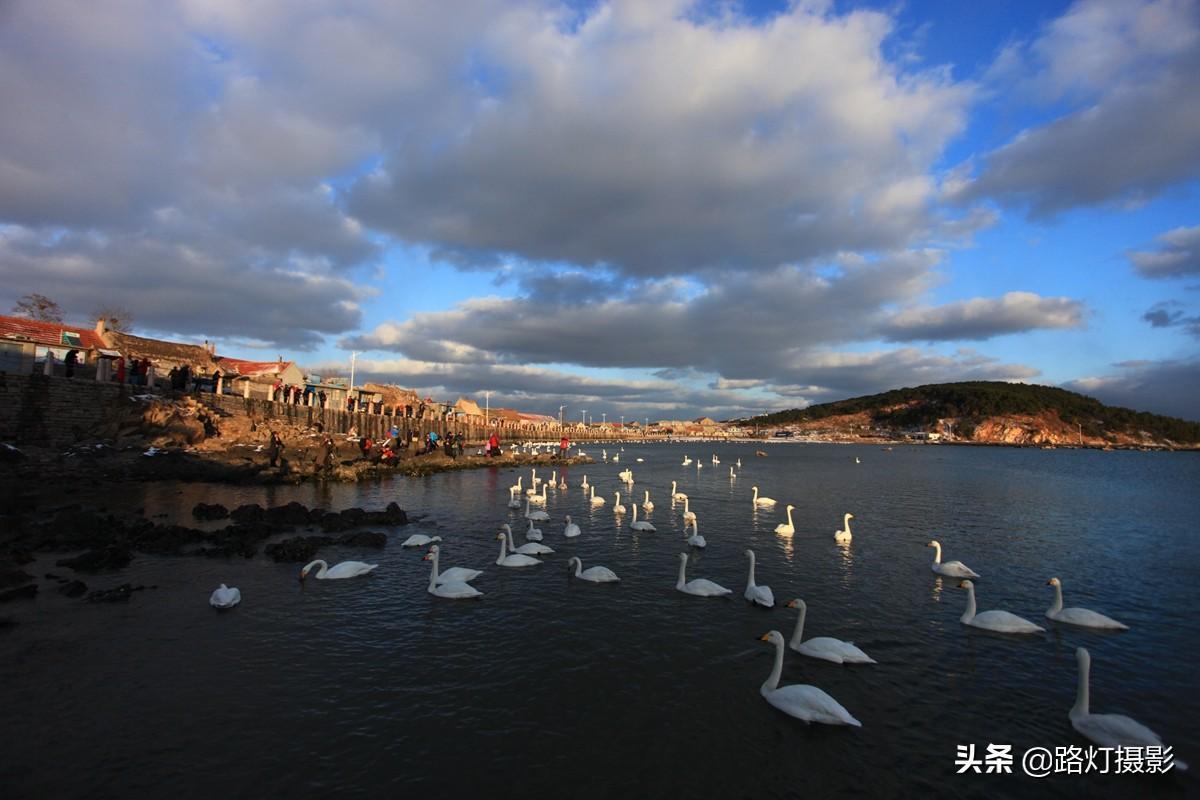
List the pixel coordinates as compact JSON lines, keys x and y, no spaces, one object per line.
{"x":971,"y":402}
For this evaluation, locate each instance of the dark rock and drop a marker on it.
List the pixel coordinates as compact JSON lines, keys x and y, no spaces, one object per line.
{"x":22,"y":593}
{"x":11,"y":576}
{"x":50,"y":576}
{"x":73,"y":589}
{"x":292,"y":514}
{"x":247,"y":513}
{"x":112,"y":557}
{"x":363,"y":539}
{"x":210,"y":511}
{"x":7,"y":623}
{"x":115,"y":595}
{"x":17,"y":503}
{"x":166,"y":539}
{"x":315,"y":515}
{"x":19,"y":556}
{"x":297,"y":549}
{"x":392,"y":515}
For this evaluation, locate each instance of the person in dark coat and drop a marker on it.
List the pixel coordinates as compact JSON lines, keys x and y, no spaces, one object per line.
{"x":274,"y":449}
{"x":325,"y":457}
{"x":70,"y":361}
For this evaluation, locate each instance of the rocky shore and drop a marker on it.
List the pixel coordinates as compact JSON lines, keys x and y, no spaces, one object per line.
{"x":103,"y":541}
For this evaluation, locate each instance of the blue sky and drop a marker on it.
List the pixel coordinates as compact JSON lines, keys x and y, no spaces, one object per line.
{"x":659,"y":209}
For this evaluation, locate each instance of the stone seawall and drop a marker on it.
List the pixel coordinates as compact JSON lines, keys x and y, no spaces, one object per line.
{"x":55,"y":411}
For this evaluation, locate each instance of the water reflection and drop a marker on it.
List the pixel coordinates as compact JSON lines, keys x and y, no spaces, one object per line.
{"x":846,"y":563}
{"x":785,"y":541}
{"x":937,"y":589}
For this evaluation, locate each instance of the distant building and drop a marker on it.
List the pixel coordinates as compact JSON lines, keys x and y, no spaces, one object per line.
{"x":25,"y":342}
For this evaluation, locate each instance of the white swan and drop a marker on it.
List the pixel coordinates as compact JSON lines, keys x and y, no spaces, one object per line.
{"x":824,"y":647}
{"x":584,"y":485}
{"x":527,"y":549}
{"x":514,"y":559}
{"x":616,"y":458}
{"x":540,"y":516}
{"x":761,"y":595}
{"x":677,"y":495}
{"x":700,"y":587}
{"x":224,"y":597}
{"x":951,"y":569}
{"x":762,"y":501}
{"x":739,"y":463}
{"x":845,"y":534}
{"x":533,"y":534}
{"x":999,"y":621}
{"x":1079,"y":616}
{"x":539,"y":499}
{"x":562,"y":482}
{"x":715,"y":460}
{"x":534,"y":480}
{"x":640,"y":526}
{"x":686,"y":461}
{"x":1107,"y":730}
{"x":618,"y":507}
{"x":695,"y":540}
{"x":516,"y":487}
{"x":514,"y":500}
{"x":346,"y":569}
{"x":801,"y":700}
{"x":639,"y":460}
{"x":688,"y":514}
{"x":856,"y":460}
{"x":419,"y":540}
{"x":786,"y":529}
{"x":450,"y":588}
{"x":454,"y":574}
{"x":626,"y":476}
{"x":732,"y":476}
{"x":647,"y":506}
{"x":604,"y":454}
{"x":594,"y":574}
{"x":699,"y":465}
{"x":596,"y":501}
{"x":571,"y":530}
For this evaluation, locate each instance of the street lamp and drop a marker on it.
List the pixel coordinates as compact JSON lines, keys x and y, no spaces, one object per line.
{"x":583,"y":417}
{"x":487,"y":407}
{"x":353,"y":358}
{"x":603,"y":418}
{"x":560,"y":416}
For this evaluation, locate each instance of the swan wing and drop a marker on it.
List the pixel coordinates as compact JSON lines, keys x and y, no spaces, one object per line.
{"x":955,"y":569}
{"x":762,"y":595}
{"x":599,"y":575}
{"x":702,"y":587}
{"x":1087,"y":618}
{"x":836,"y":650}
{"x":533,"y":549}
{"x":809,"y":704}
{"x":455,"y":590}
{"x":518,"y":560}
{"x":1004,"y":622}
{"x":571,"y":531}
{"x":785,"y":528}
{"x":1113,"y":730}
{"x":349,"y":569}
{"x":224,"y":597}
{"x":458,"y":575}
{"x":697,"y":541}
{"x":416,"y":540}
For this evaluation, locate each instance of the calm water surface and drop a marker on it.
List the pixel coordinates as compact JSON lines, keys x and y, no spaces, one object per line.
{"x":553,"y":687}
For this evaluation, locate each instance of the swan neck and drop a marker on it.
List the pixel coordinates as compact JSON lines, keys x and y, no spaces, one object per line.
{"x":846,"y":523}
{"x":750,"y":580}
{"x":578,"y":566}
{"x":1057,"y":605}
{"x":503,"y":550}
{"x":937,"y":553}
{"x":798,"y":633}
{"x":433,"y":572}
{"x":789,"y":512}
{"x":1082,"y":691}
{"x":772,"y":681}
{"x":969,"y":614}
{"x":682,"y":574}
{"x":512,"y":542}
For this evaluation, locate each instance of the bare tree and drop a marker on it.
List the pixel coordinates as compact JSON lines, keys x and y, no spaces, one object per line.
{"x":118,"y":319}
{"x":39,"y":307}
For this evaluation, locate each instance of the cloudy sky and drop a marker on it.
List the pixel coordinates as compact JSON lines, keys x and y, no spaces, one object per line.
{"x":642,"y":208}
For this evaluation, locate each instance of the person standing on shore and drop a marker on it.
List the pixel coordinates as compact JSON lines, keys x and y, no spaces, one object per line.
{"x":493,"y":445}
{"x":70,"y":361}
{"x":564,"y":445}
{"x":325,"y":459}
{"x":275,"y":450}
{"x":120,"y":369}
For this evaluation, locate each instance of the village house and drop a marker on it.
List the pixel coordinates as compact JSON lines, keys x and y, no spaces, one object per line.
{"x":25,"y":344}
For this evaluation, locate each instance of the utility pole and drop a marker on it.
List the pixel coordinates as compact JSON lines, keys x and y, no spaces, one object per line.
{"x":583,"y":417}
{"x":603,"y":418}
{"x":560,"y":416}
{"x":487,"y":408}
{"x":353,"y":358}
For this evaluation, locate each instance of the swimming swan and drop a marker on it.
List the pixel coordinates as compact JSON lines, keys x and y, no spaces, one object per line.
{"x":762,"y":501}
{"x":618,"y":507}
{"x":762,"y":595}
{"x":951,"y":569}
{"x":594,"y":574}
{"x":533,"y":534}
{"x":999,"y":621}
{"x":688,"y":514}
{"x":539,"y":499}
{"x":1107,"y":730}
{"x":451,"y":589}
{"x":596,"y":501}
{"x":640,"y":526}
{"x":346,"y":569}
{"x":786,"y":529}
{"x":514,"y":559}
{"x":845,"y":534}
{"x":540,"y":516}
{"x":1079,"y":616}
{"x":700,"y":587}
{"x":453,"y":574}
{"x":571,"y":530}
{"x":647,"y":506}
{"x":824,"y":647}
{"x":677,"y":495}
{"x":800,"y":700}
{"x":224,"y":597}
{"x":527,"y":549}
{"x":514,"y":500}
{"x":696,"y":540}
{"x":584,"y":485}
{"x":419,"y":540}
